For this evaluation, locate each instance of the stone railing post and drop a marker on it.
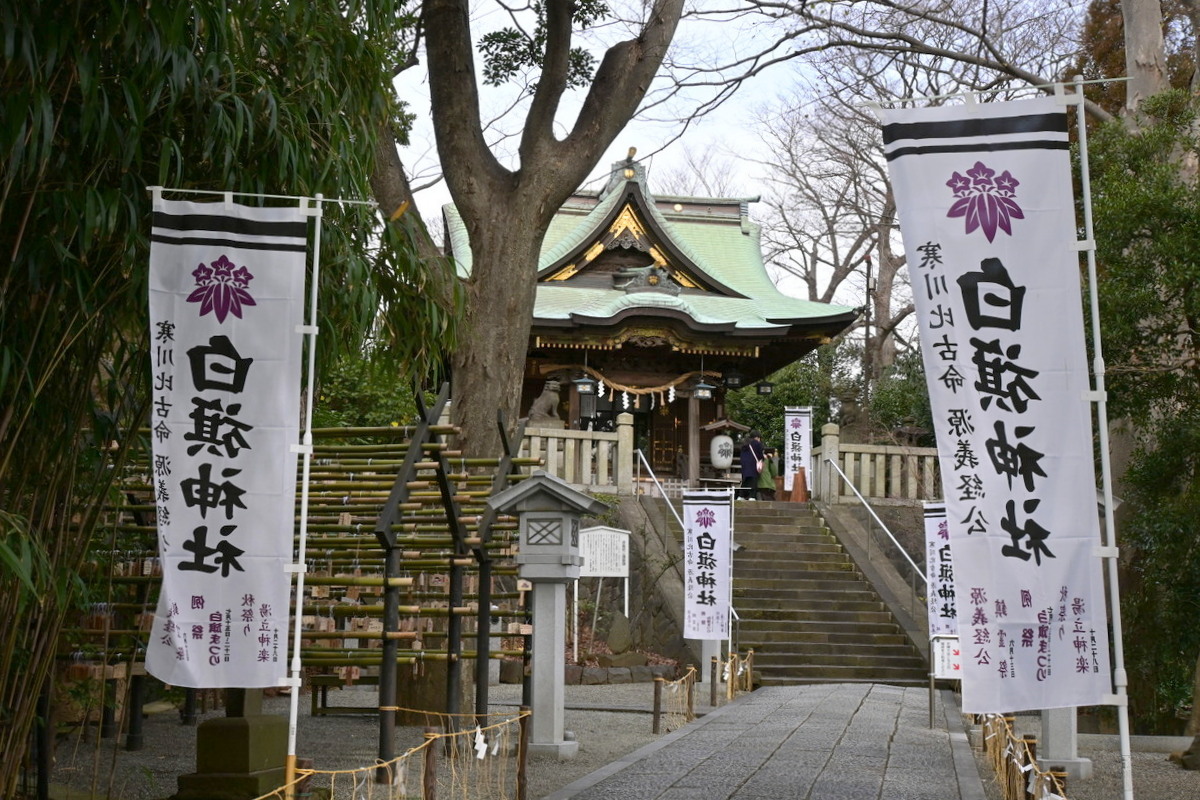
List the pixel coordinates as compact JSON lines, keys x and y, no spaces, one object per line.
{"x":625,"y":456}
{"x":830,"y":482}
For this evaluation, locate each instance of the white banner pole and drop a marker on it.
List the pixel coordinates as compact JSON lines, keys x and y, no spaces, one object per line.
{"x":305,"y":450}
{"x":1100,"y":398}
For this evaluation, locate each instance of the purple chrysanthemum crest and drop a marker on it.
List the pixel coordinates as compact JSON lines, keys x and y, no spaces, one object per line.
{"x":221,"y":288}
{"x":705,"y":518}
{"x":985,"y":200}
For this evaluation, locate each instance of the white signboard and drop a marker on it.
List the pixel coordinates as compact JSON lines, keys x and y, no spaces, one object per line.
{"x":708,"y":563}
{"x":797,"y":444}
{"x":939,"y":572}
{"x":984,"y":197}
{"x":946,"y":655}
{"x":605,"y":552}
{"x":226,"y":297}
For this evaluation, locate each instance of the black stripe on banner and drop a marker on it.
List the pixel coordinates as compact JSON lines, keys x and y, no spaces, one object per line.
{"x":230,"y":243}
{"x":958,"y":128}
{"x":211,"y":222}
{"x":978,"y":147}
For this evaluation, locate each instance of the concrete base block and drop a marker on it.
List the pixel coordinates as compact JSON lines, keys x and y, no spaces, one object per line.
{"x":1077,"y":769}
{"x":563,"y":751}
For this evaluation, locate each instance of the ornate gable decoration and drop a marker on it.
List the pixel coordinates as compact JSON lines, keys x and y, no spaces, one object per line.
{"x":629,"y":232}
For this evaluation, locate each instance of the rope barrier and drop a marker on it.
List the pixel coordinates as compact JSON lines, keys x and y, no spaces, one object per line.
{"x":1014,"y":762}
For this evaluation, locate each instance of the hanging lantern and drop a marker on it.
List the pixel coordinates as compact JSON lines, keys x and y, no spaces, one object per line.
{"x":585,"y":386}
{"x":702,"y":390}
{"x":721,"y":451}
{"x":733,"y":378}
{"x":765,"y":387}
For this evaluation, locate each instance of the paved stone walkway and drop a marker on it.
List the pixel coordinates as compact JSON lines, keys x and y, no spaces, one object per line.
{"x":828,"y":742}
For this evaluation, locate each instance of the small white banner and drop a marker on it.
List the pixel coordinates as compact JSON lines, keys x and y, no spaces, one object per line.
{"x":939,"y":572}
{"x":226,"y":297}
{"x":797,"y":445}
{"x":984,"y":196}
{"x":605,"y":552}
{"x":708,"y":563}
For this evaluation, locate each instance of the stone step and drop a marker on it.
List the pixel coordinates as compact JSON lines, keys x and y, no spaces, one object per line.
{"x":762,"y":629}
{"x":780,"y":527}
{"x":834,"y":674}
{"x":753,"y":602}
{"x":805,"y":615}
{"x":768,"y":638}
{"x":766,"y":597}
{"x":818,"y":581}
{"x":759,"y":544}
{"x":787,"y":653}
{"x":765,"y":577}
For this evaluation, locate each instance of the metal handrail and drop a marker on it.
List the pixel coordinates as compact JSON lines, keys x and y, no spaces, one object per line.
{"x":661,"y":491}
{"x":885,"y":528}
{"x":916,"y":571}
{"x":735,"y":617}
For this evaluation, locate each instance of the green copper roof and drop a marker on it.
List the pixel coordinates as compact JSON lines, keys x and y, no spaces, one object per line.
{"x":714,"y":234}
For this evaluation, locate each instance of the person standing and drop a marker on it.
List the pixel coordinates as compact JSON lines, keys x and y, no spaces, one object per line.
{"x":752,"y":464}
{"x":766,"y":478}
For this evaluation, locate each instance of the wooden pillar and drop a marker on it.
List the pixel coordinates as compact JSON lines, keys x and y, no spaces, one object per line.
{"x":693,"y":438}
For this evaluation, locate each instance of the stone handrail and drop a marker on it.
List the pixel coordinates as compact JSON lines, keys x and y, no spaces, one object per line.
{"x":884,"y":474}
{"x":597,"y":460}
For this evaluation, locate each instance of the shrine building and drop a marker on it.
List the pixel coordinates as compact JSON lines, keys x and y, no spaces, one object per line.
{"x":655,"y":305}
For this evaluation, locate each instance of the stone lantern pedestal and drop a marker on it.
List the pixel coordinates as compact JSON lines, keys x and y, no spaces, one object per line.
{"x":548,"y":556}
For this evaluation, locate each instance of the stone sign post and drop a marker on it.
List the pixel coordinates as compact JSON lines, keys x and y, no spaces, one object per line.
{"x":548,"y":555}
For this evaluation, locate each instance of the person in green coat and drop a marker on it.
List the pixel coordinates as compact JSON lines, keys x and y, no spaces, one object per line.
{"x":766,"y":478}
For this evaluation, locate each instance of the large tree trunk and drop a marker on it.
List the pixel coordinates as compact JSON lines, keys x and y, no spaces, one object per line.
{"x":1145,"y":55}
{"x":487,"y":369}
{"x":507,"y":211}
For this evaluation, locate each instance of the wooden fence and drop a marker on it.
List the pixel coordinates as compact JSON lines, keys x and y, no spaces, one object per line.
{"x":597,"y":460}
{"x":881,"y":473}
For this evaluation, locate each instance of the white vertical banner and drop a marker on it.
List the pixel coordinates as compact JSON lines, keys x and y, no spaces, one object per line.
{"x":987,"y":213}
{"x":939,"y":572}
{"x":707,"y":562}
{"x":226,"y":300}
{"x":797,"y":444}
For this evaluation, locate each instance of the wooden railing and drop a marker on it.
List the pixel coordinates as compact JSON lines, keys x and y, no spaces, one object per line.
{"x":598,"y":460}
{"x":882,"y":473}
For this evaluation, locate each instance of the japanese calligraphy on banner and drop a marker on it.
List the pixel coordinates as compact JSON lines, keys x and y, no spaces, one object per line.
{"x":797,"y":444}
{"x":984,"y":197}
{"x":939,"y":572}
{"x":226,"y":297}
{"x":708,"y":563}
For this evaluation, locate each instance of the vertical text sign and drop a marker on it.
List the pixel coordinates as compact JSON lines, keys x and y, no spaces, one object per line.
{"x":708,"y":563}
{"x":984,"y":196}
{"x":226,"y":297}
{"x":797,"y":444}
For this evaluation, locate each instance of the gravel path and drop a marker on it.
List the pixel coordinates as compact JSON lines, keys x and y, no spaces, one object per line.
{"x":608,"y":721}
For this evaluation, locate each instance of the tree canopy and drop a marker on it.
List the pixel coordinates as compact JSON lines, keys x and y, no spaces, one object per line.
{"x":100,"y":101}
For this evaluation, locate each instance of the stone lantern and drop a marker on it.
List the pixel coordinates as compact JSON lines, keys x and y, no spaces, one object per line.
{"x":548,"y":510}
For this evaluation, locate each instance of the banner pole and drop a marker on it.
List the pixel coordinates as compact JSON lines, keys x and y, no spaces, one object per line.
{"x":1100,"y":398}
{"x":305,"y":449}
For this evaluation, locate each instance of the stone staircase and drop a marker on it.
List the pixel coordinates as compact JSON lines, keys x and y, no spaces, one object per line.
{"x":805,"y":608}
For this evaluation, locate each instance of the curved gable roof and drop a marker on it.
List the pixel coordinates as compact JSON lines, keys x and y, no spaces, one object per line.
{"x":711,"y":240}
